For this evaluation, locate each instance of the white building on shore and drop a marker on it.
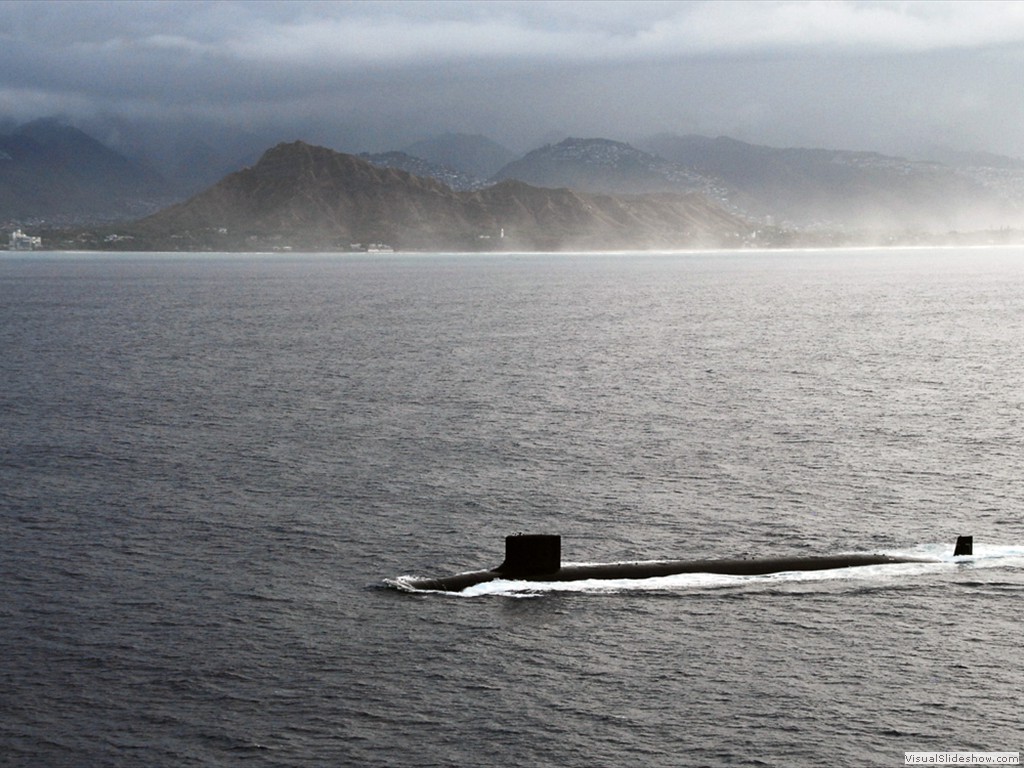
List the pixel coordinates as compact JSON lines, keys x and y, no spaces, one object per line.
{"x":22,"y":242}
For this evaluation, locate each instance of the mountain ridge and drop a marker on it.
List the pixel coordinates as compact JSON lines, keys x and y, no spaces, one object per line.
{"x":303,"y":196}
{"x":53,"y":172}
{"x":843,"y":188}
{"x":418,"y":166}
{"x":598,"y":165}
{"x":472,"y":154}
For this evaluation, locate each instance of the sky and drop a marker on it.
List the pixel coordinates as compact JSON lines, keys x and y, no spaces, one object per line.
{"x":893,"y":77}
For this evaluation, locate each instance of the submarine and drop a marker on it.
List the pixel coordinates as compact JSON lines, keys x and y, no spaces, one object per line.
{"x":538,"y":557}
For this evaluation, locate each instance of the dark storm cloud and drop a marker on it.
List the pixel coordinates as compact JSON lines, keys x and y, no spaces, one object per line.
{"x":853,"y":74}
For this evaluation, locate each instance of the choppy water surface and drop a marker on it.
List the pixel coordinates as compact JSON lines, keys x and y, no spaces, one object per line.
{"x":211,"y":464}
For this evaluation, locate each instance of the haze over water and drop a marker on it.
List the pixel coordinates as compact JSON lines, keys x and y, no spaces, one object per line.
{"x":211,"y":464}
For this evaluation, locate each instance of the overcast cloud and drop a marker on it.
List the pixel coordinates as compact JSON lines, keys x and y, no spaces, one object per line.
{"x":884,"y":76}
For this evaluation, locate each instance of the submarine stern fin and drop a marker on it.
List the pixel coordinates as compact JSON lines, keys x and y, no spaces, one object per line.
{"x":964,"y":546}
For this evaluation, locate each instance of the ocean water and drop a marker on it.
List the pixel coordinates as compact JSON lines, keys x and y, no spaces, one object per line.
{"x":211,"y":465}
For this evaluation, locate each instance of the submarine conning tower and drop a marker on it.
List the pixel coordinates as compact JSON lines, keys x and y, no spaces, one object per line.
{"x":964,"y":546}
{"x":531,"y":554}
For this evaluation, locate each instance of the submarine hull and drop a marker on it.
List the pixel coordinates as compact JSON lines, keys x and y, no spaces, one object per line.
{"x":656,"y":568}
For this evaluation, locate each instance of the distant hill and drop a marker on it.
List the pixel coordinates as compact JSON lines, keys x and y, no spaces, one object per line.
{"x":962,"y":159}
{"x":417,"y":166}
{"x":306,"y":197}
{"x":200,"y":163}
{"x":797,"y":188}
{"x":471,"y":154}
{"x":189,"y":155}
{"x":843,"y":189}
{"x":605,"y":166}
{"x":53,"y":173}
